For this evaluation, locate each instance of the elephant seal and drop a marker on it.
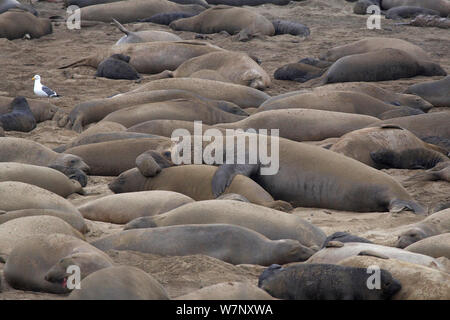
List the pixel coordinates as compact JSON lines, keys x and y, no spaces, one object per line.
{"x":104,"y":137}
{"x":21,"y":228}
{"x":42,"y":110}
{"x":403,"y":12}
{"x":133,"y":10}
{"x":117,"y":67}
{"x":417,"y":158}
{"x":343,"y":237}
{"x":373,"y":145}
{"x":337,"y":101}
{"x":272,"y":224}
{"x":39,"y":263}
{"x":228,"y":291}
{"x":16,"y":195}
{"x":30,"y":152}
{"x":303,"y":124}
{"x":125,"y":207}
{"x":45,"y":178}
{"x":308,"y":176}
{"x":442,"y":6}
{"x":334,"y":254}
{"x":381,"y":65}
{"x":5,"y":5}
{"x":75,"y":219}
{"x":290,"y":27}
{"x":434,"y":246}
{"x":229,"y":243}
{"x":114,"y":157}
{"x":299,"y":72}
{"x":224,"y":18}
{"x":318,"y":282}
{"x":387,"y":96}
{"x":167,"y":18}
{"x":435,"y":224}
{"x":144,"y":36}
{"x":95,"y":110}
{"x":234,"y":67}
{"x":188,"y":109}
{"x":16,"y":24}
{"x":433,"y":124}
{"x":418,"y":282}
{"x":435,"y":92}
{"x":198,"y":186}
{"x":243,"y":96}
{"x":119,"y":283}
{"x":20,"y":118}
{"x":150,"y":57}
{"x":374,"y":44}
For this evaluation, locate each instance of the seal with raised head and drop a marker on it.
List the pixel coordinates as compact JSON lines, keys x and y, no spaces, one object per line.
{"x":435,"y":92}
{"x":114,"y":157}
{"x":125,"y":207}
{"x":273,"y":224}
{"x":119,"y":283}
{"x":16,"y":24}
{"x":229,"y":243}
{"x":117,"y":67}
{"x":39,"y":263}
{"x":318,"y":282}
{"x":20,"y":118}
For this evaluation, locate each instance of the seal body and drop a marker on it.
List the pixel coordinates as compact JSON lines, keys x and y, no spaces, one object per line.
{"x":117,"y":67}
{"x":16,"y":24}
{"x":20,"y":118}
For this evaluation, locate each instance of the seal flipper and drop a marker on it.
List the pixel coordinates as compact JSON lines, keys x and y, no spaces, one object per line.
{"x":225,"y":175}
{"x":372,"y":253}
{"x":397,"y":205}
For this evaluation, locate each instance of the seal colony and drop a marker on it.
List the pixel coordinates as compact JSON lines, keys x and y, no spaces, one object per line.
{"x":212,"y":150}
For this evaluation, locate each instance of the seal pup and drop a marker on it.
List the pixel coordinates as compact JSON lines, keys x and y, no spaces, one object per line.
{"x":117,"y":67}
{"x":20,"y":118}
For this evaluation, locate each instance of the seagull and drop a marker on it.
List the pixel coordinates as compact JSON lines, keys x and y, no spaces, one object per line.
{"x":42,"y":91}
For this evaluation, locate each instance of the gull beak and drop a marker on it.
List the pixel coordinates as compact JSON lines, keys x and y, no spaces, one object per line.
{"x":33,"y":78}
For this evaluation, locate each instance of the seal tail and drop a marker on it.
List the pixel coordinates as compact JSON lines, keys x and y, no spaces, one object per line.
{"x":397,"y":205}
{"x":121,"y":27}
